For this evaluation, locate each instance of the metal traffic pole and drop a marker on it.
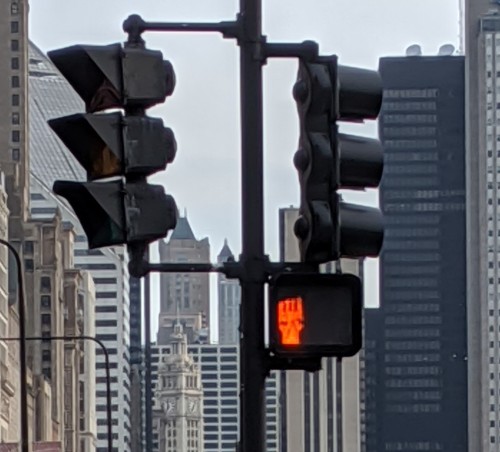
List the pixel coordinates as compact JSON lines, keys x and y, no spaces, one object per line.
{"x":253,"y":367}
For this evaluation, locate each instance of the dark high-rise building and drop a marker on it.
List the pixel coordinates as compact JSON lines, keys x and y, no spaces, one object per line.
{"x":416,"y":344}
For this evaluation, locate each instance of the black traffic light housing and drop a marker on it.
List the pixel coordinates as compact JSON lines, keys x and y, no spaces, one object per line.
{"x":315,"y":315}
{"x":119,"y":150}
{"x":327,"y":161}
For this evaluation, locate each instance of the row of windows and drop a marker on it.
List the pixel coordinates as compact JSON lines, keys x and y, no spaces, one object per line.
{"x":421,"y":168}
{"x":412,"y":383}
{"x":412,"y":220}
{"x":420,"y":307}
{"x":408,"y":245}
{"x":411,"y":156}
{"x":412,"y":358}
{"x":413,"y":320}
{"x":413,"y":446}
{"x":425,"y":207}
{"x":411,"y":232}
{"x":410,"y":282}
{"x":413,"y":408}
{"x":415,"y":270}
{"x":412,"y":345}
{"x":409,"y":106}
{"x":421,"y":194}
{"x":411,"y":93}
{"x":401,"y":396}
{"x":412,"y":257}
{"x":412,"y":131}
{"x":412,"y":295}
{"x":409,"y":119}
{"x":410,"y":144}
{"x":407,"y":333}
{"x":410,"y":181}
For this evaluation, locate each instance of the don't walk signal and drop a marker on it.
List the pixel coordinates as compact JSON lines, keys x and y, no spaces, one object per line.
{"x":314,"y":314}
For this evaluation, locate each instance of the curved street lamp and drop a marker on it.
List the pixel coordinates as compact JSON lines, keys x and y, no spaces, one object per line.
{"x":25,"y":442}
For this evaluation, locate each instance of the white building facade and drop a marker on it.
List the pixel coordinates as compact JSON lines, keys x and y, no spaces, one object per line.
{"x":178,"y":404}
{"x":220,"y":382}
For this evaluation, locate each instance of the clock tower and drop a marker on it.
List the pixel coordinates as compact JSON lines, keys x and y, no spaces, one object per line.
{"x":179,"y":399}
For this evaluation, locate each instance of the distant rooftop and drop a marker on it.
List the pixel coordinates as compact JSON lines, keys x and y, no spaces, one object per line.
{"x":225,"y":253}
{"x":183,"y":230}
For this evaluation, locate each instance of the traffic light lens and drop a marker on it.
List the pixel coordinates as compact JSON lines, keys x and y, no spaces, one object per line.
{"x":104,"y":163}
{"x":290,"y":320}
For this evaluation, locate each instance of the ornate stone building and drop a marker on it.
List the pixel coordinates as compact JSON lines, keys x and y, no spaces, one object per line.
{"x":178,"y":404}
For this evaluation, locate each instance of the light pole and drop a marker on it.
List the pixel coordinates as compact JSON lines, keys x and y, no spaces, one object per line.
{"x":25,"y":443}
{"x":108,"y":377}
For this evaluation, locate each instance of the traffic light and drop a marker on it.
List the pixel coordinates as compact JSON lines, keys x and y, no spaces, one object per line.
{"x":315,"y":315}
{"x":327,"y":160}
{"x":118,"y":149}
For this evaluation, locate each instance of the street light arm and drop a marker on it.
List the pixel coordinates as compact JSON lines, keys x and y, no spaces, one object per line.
{"x":25,"y":443}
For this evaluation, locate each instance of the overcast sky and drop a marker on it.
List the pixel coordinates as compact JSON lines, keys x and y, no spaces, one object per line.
{"x":204,"y":108}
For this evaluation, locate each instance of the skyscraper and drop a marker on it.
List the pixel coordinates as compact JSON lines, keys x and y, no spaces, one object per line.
{"x":229,"y":302}
{"x":482,"y":77}
{"x":184,"y":297}
{"x":416,"y":342}
{"x":320,"y":411}
{"x":14,"y":157}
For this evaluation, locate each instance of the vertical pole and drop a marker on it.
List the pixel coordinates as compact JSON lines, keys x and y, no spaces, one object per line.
{"x":340,"y":407}
{"x":22,"y":352}
{"x":252,"y":354}
{"x":25,"y":434}
{"x":147,"y":359}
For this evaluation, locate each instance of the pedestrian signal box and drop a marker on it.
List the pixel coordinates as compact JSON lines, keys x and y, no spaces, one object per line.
{"x":315,"y":315}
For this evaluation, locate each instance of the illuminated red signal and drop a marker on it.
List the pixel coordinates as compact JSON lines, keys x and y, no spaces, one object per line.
{"x":314,"y":314}
{"x":290,"y":320}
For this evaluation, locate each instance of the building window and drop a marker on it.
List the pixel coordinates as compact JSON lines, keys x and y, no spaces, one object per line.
{"x":14,"y":45}
{"x":28,"y":246}
{"x":45,"y":284}
{"x":46,"y":319}
{"x":15,"y":82}
{"x":28,"y":265}
{"x":15,"y":100}
{"x":14,"y":26}
{"x":15,"y":155}
{"x":16,"y":136}
{"x":14,"y":63}
{"x":45,"y":301}
{"x":14,"y":8}
{"x":15,"y":117}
